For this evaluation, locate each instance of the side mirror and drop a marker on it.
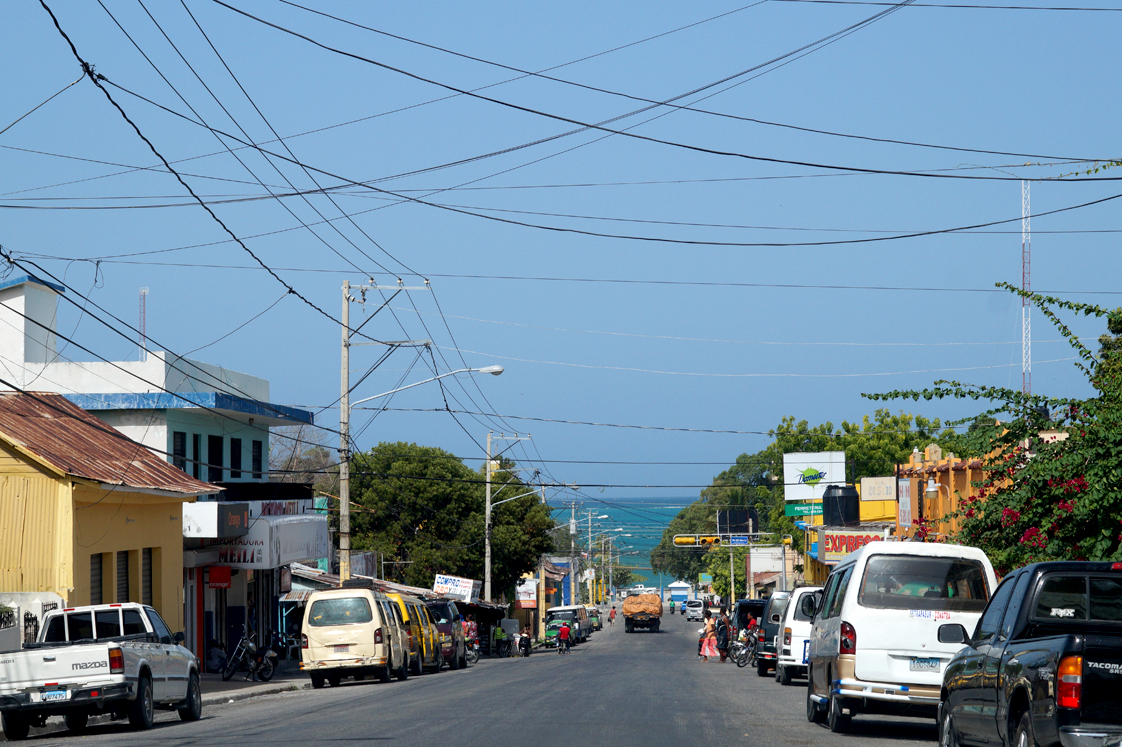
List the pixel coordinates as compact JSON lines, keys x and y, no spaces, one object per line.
{"x":809,"y":605}
{"x":953,"y":633}
{"x":180,"y":638}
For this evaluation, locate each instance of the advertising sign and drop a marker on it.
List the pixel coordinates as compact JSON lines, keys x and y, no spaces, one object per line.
{"x":878,"y":488}
{"x":803,"y":509}
{"x":806,"y":476}
{"x":274,"y":541}
{"x":704,"y":579}
{"x":215,"y":520}
{"x":526,"y":594}
{"x":904,"y":503}
{"x":219,"y":577}
{"x":463,"y":589}
{"x":835,"y":544}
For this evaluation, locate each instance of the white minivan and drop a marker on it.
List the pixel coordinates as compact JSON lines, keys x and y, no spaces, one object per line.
{"x":874,"y":646}
{"x":352,"y":632}
{"x":794,"y":635}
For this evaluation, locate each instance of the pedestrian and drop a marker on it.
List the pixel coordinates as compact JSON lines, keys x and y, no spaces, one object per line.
{"x":612,"y":617}
{"x":563,"y":638}
{"x":723,"y":636}
{"x":709,"y":637}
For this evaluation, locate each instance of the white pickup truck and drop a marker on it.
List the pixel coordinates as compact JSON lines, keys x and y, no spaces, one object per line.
{"x":119,"y":659}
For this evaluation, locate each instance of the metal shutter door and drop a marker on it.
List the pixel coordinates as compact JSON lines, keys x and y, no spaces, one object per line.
{"x":146,"y":576}
{"x":122,"y":576}
{"x":95,"y":578}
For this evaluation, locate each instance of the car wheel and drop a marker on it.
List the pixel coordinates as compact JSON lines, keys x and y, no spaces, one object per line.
{"x":16,"y":726}
{"x":835,"y":719}
{"x":463,"y":658}
{"x":948,"y":737}
{"x":454,"y":663}
{"x":317,"y":681}
{"x":143,"y":709}
{"x":76,"y":721}
{"x":192,"y":709}
{"x":403,"y":670}
{"x":813,"y":710}
{"x":783,"y":675}
{"x":1024,"y":736}
{"x":384,"y":674}
{"x":418,"y":666}
{"x":761,"y":667}
{"x":439,"y":663}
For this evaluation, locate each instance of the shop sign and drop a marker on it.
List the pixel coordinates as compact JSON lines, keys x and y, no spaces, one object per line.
{"x":527,"y":594}
{"x":293,"y":507}
{"x":464,"y":589}
{"x":807,"y":475}
{"x":218,"y":577}
{"x":276,"y":541}
{"x":802,"y":509}
{"x":835,"y":544}
{"x":215,"y":520}
{"x":904,"y":504}
{"x":704,"y":579}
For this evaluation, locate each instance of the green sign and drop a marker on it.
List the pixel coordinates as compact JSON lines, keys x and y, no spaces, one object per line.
{"x":704,"y":579}
{"x":802,"y":509}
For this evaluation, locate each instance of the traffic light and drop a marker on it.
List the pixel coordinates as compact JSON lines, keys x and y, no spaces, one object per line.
{"x":685,"y":540}
{"x":710,"y":541}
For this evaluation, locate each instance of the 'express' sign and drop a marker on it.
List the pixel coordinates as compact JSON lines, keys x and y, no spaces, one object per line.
{"x":837,"y":544}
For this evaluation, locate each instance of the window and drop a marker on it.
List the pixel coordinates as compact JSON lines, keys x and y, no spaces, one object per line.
{"x":911,"y":582}
{"x":158,"y":626}
{"x":179,"y":450}
{"x":443,"y":615}
{"x":1014,"y":609}
{"x":133,"y":624}
{"x":828,"y":598}
{"x":214,"y":458}
{"x":1106,"y":599}
{"x":990,"y":621}
{"x":108,"y":623}
{"x":56,"y":630}
{"x":235,"y":459}
{"x":340,"y":611}
{"x":146,"y":576}
{"x":839,"y":598}
{"x":95,"y":578}
{"x":1062,"y":598}
{"x":197,"y":450}
{"x":123,"y":576}
{"x":256,"y":464}
{"x":81,"y":626}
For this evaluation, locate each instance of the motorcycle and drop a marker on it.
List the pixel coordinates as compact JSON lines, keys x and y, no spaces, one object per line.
{"x":260,"y":663}
{"x":472,"y":652}
{"x":524,"y":645}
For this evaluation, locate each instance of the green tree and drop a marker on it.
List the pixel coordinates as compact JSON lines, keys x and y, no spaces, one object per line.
{"x":1053,"y":466}
{"x":423,"y":508}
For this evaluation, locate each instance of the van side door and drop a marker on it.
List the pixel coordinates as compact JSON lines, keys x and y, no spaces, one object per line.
{"x":819,"y":648}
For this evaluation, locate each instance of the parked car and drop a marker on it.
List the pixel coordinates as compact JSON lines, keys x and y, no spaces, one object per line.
{"x":874,"y":646}
{"x":1044,"y":663}
{"x":422,"y":637}
{"x":742,"y":608}
{"x":577,"y":617}
{"x":449,"y":623}
{"x":695,"y":610}
{"x":594,"y":617}
{"x":352,"y":632}
{"x":119,"y":659}
{"x":768,"y":632}
{"x":794,"y":636}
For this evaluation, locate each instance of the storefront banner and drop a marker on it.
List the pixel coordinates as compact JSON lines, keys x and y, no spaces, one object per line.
{"x":878,"y":488}
{"x":463,"y":589}
{"x":295,"y":507}
{"x":904,"y":503}
{"x":215,"y":520}
{"x":806,"y":476}
{"x":527,"y":594}
{"x":835,"y":544}
{"x":274,"y":541}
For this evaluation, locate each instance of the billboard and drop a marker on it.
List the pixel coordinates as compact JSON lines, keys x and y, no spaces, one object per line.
{"x":463,"y":589}
{"x":526,"y":594}
{"x":806,"y":476}
{"x":878,"y":488}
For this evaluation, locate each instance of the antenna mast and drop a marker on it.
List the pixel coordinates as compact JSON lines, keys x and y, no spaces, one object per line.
{"x":1026,"y":285}
{"x":143,"y":324}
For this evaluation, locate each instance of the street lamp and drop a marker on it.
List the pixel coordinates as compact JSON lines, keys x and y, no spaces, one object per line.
{"x":345,"y":406}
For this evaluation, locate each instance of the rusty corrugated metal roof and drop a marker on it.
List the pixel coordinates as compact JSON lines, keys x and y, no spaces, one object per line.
{"x":75,"y":442}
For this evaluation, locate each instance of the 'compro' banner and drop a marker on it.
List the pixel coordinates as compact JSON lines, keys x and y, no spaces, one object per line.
{"x":464,"y":589}
{"x":806,"y":476}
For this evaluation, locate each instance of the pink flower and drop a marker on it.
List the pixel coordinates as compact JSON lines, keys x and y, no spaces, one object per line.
{"x":1009,"y":516}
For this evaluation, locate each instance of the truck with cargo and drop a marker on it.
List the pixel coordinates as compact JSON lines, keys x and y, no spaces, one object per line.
{"x":642,"y":611}
{"x":116,"y":659}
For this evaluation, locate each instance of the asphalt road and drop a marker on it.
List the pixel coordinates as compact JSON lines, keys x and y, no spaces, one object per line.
{"x":642,"y":688}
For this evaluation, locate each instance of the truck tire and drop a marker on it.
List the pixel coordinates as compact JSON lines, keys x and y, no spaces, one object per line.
{"x":192,"y":709}
{"x":384,"y":674}
{"x":76,"y":721}
{"x":813,"y":711}
{"x":1024,"y":736}
{"x":403,"y":670}
{"x":835,"y":719}
{"x":454,"y":662}
{"x":761,"y":667}
{"x":142,"y":712}
{"x":784,"y":675}
{"x":16,"y":726}
{"x":317,"y":681}
{"x":654,"y":626}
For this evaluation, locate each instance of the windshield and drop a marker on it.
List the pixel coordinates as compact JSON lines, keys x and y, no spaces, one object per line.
{"x":775,"y":615}
{"x":908,"y":582}
{"x":341,"y":611}
{"x":441,"y":613}
{"x":559,"y":615}
{"x":693,"y":603}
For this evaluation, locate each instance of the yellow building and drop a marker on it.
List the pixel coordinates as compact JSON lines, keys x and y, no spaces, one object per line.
{"x":933,"y":487}
{"x":86,"y":512}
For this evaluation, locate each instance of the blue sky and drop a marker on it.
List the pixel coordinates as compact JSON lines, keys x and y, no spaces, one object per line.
{"x":589,"y":328}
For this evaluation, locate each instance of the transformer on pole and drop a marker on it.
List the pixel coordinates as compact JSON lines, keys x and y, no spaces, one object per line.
{"x":1026,"y":285}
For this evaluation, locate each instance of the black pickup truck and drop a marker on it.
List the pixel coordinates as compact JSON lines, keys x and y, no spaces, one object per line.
{"x":1044,"y":665}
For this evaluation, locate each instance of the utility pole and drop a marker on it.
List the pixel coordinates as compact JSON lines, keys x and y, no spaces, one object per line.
{"x":732,"y":578}
{"x":572,"y":553}
{"x":487,"y":513}
{"x":1026,"y":286}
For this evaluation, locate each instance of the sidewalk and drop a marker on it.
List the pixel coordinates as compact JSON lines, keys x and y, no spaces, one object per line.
{"x":215,"y":692}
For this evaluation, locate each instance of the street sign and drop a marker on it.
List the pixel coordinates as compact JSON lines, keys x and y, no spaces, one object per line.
{"x":738,"y":539}
{"x":802,"y":509}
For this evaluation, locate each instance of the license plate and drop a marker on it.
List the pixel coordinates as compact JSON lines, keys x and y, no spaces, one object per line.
{"x":924,"y":665}
{"x":342,"y":649}
{"x":806,"y":651}
{"x":52,"y":695}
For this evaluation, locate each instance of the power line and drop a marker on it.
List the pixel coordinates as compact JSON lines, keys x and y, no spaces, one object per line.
{"x":960,"y":6}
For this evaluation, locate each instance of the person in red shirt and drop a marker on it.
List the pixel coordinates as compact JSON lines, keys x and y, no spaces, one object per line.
{"x":612,"y":617}
{"x":563,"y":638}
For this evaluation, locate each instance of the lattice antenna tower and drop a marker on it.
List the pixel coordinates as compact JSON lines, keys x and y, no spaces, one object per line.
{"x":143,"y":324}
{"x":1026,"y":285}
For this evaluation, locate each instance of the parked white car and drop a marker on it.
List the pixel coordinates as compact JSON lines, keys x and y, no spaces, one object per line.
{"x":874,"y":645}
{"x":119,"y":659}
{"x":794,"y":636}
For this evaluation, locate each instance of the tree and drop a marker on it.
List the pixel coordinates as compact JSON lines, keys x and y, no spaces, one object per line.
{"x":1053,"y":467}
{"x":423,"y":509}
{"x":299,"y":453}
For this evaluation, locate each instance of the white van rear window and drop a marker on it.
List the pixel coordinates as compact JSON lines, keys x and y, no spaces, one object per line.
{"x":911,"y":582}
{"x":340,"y":611}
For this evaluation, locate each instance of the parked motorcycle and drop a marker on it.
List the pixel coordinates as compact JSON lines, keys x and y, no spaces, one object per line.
{"x":260,"y":663}
{"x":524,"y":645}
{"x":472,"y":652}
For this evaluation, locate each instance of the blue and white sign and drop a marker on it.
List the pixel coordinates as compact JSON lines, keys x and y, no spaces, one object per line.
{"x":738,"y":539}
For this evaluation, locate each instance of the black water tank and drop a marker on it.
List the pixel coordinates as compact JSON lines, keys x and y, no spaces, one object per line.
{"x":841,"y":506}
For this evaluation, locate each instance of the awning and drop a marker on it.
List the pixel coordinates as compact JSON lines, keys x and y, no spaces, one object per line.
{"x":275,"y":541}
{"x":297,"y":595}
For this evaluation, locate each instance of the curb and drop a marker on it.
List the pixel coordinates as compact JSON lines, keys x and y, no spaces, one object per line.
{"x":213,"y":700}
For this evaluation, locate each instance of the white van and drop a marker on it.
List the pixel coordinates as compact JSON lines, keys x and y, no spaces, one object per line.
{"x":352,"y":632}
{"x":874,"y":645}
{"x":794,"y":636}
